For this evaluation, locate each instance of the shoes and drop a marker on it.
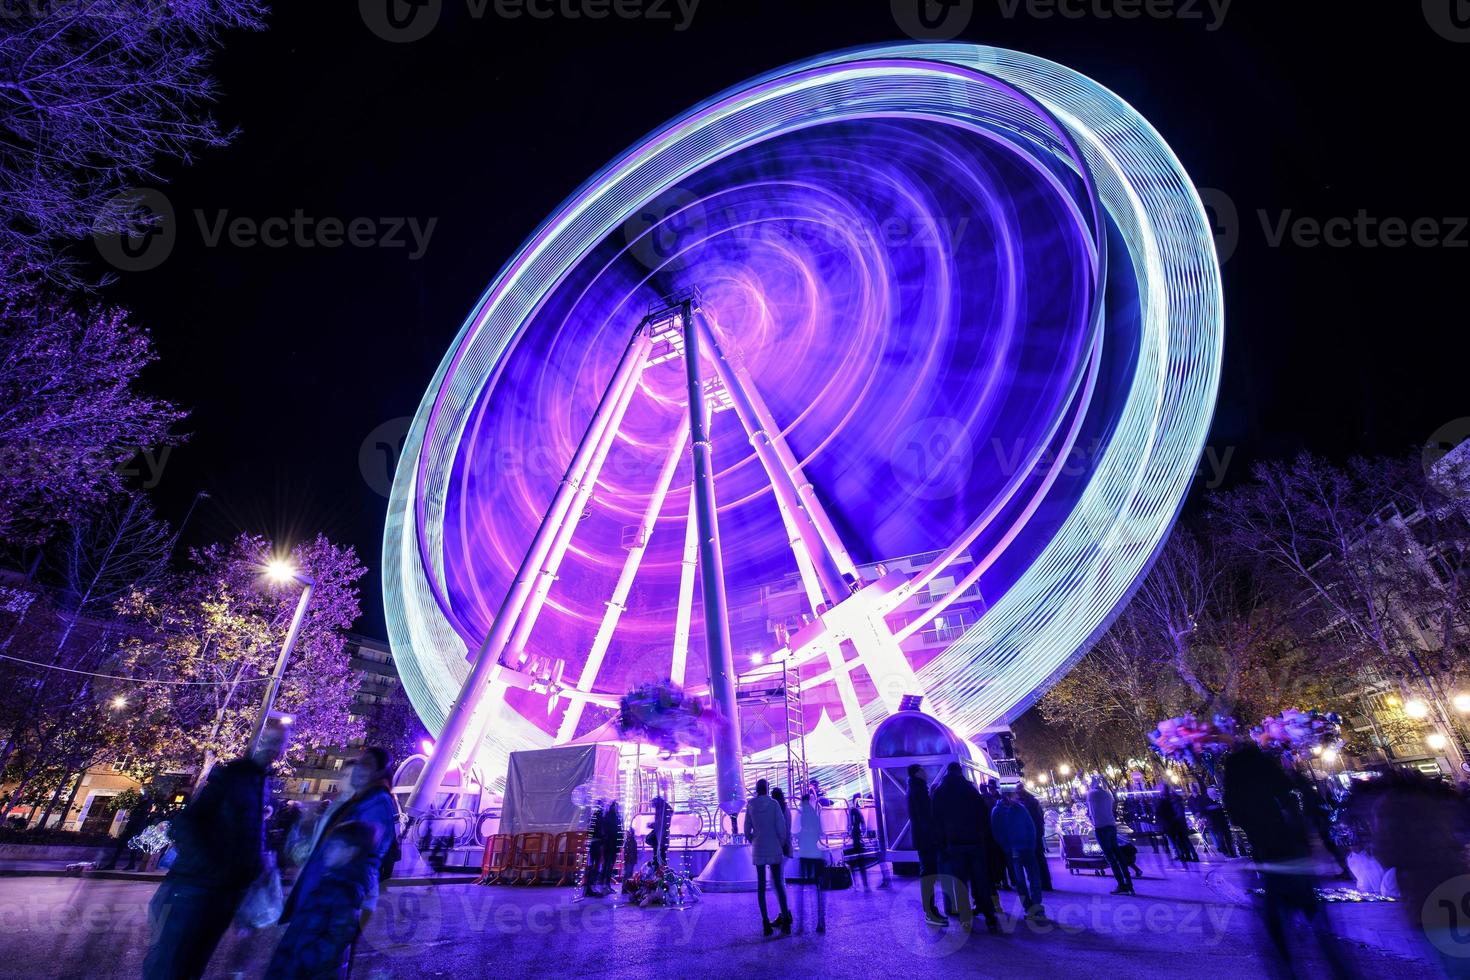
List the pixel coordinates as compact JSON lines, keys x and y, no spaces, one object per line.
{"x":1122,"y":890}
{"x":767,"y":929}
{"x":935,"y":919}
{"x":992,"y":926}
{"x":784,"y":922}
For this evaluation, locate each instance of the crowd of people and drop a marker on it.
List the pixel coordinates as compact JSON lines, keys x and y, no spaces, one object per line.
{"x":225,"y":867}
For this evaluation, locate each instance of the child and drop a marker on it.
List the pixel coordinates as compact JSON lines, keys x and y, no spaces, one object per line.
{"x":325,"y":921}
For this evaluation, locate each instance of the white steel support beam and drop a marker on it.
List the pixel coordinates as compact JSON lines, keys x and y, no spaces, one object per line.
{"x":618,"y":603}
{"x":452,"y":741}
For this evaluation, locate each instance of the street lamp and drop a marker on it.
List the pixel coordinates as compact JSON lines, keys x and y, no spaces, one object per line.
{"x":1415,"y":708}
{"x":1064,"y":769}
{"x":1436,"y":741}
{"x":1462,"y":703}
{"x":282,"y":572}
{"x":120,"y":702}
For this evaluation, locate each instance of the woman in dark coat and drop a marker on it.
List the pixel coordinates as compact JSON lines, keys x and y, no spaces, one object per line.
{"x":926,"y":842}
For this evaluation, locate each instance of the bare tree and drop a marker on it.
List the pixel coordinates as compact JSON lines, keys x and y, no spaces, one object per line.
{"x":93,"y":95}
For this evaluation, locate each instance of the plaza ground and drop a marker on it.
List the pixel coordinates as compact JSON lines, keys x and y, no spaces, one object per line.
{"x":1198,"y":921}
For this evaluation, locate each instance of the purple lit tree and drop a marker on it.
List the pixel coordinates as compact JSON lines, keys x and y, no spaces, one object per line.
{"x":220,"y":629}
{"x":71,"y":414}
{"x":94,"y":94}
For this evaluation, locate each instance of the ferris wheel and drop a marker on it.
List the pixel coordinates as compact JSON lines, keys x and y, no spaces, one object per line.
{"x":892,"y":367}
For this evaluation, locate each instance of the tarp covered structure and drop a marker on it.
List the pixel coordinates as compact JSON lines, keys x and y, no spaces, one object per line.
{"x":539,"y":786}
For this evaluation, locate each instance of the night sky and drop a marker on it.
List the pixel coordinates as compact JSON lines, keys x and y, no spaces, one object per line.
{"x":292,"y":359}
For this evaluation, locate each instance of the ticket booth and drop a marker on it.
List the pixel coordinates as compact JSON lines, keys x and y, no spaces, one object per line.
{"x":906,"y":738}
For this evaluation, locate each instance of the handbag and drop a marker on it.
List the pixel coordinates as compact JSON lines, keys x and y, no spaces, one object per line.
{"x":834,"y":878}
{"x":263,"y":900}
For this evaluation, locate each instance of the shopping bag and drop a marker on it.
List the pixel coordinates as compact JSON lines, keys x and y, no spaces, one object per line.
{"x":263,"y":901}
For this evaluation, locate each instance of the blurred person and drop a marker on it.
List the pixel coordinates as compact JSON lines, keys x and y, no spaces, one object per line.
{"x":1102,"y":810}
{"x":962,"y":833}
{"x":780,"y":797}
{"x":607,"y":836}
{"x":371,"y":803}
{"x":139,"y":817}
{"x":857,"y":846}
{"x":327,"y":920}
{"x":768,"y":832}
{"x":1219,"y":824}
{"x":926,"y":843}
{"x":218,"y":838}
{"x":1174,"y":821}
{"x":1038,"y":817}
{"x":1259,"y":799}
{"x":809,"y":853}
{"x":1015,"y":834}
{"x":999,"y":867}
{"x":1418,"y":832}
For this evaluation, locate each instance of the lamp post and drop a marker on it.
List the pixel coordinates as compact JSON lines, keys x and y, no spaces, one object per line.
{"x":281,"y":571}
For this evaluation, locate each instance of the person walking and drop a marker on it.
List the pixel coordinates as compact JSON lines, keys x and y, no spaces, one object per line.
{"x":809,"y":853}
{"x":1038,"y":817}
{"x":769,"y":835}
{"x":1175,"y":822}
{"x":1015,"y":833}
{"x":1259,"y":800}
{"x":138,"y":819}
{"x":1102,"y":810}
{"x":609,"y":838}
{"x":960,"y":831}
{"x":926,"y":843}
{"x":1219,"y":824}
{"x":218,"y":840}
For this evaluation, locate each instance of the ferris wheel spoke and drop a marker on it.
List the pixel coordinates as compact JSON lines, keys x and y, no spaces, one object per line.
{"x":615,"y":606}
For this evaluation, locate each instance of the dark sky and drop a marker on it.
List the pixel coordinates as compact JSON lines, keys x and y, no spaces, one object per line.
{"x":290,"y":358}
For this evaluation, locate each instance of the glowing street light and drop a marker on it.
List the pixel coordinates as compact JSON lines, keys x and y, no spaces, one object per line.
{"x":1462,"y":703}
{"x":1316,"y":750}
{"x":282,"y":572}
{"x":119,"y":702}
{"x":1064,"y":769}
{"x":1042,"y":778}
{"x":1415,"y":708}
{"x":1329,"y":755}
{"x":1436,"y":741}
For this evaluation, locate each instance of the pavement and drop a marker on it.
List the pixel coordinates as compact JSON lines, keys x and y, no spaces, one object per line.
{"x":1191,"y":920}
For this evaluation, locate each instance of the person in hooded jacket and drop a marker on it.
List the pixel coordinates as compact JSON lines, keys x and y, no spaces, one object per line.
{"x":926,"y":842}
{"x":961,"y":833}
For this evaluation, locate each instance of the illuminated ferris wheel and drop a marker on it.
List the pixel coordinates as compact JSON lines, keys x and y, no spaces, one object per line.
{"x":862,"y":343}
